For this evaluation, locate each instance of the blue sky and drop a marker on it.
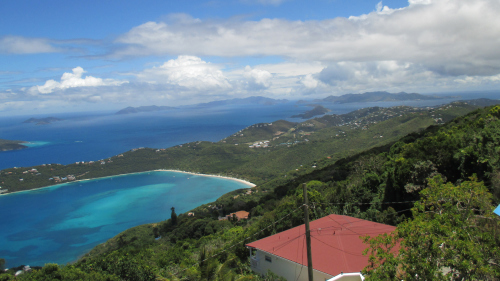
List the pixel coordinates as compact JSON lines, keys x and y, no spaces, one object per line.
{"x":91,"y":55}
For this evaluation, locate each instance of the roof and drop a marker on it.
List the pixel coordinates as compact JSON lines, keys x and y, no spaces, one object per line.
{"x":497,"y":210}
{"x":241,"y":214}
{"x":335,"y":243}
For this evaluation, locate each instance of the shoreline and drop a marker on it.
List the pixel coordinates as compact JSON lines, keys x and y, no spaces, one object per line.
{"x":208,"y":175}
{"x":158,"y":170}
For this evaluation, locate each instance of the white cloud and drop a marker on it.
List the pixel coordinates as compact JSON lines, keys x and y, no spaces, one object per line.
{"x":187,"y":71}
{"x":73,"y":80}
{"x":24,"y":45}
{"x":452,"y":37}
{"x":258,"y":77}
{"x":309,"y":82}
{"x":419,"y":2}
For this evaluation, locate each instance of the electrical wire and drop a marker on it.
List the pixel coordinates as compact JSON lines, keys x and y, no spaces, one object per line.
{"x":286,"y":243}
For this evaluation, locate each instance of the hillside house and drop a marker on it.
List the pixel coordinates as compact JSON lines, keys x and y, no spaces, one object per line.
{"x":240,"y":215}
{"x":336,"y":249}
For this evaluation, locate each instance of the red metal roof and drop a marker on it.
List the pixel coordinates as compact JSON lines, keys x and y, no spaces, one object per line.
{"x":335,"y":243}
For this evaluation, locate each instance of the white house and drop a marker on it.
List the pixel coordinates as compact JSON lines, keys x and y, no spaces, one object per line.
{"x":336,"y":249}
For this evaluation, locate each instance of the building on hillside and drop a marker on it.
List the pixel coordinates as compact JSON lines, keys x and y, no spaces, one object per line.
{"x":240,"y":215}
{"x":336,"y":249}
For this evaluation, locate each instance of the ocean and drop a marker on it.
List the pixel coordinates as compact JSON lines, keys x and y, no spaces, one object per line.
{"x":59,"y":224}
{"x":98,"y":135}
{"x":95,"y":136}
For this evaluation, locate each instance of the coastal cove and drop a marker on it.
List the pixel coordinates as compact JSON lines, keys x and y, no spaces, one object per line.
{"x":60,"y":223}
{"x":93,"y":136}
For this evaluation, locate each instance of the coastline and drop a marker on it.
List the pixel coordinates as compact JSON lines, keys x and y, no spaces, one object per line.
{"x":158,"y":170}
{"x":208,"y":175}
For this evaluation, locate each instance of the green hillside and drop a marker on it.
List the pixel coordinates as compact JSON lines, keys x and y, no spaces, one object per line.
{"x":259,"y":153}
{"x":441,"y":183}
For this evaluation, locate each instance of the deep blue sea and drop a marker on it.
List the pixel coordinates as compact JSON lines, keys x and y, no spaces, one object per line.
{"x":59,"y":224}
{"x":95,"y":136}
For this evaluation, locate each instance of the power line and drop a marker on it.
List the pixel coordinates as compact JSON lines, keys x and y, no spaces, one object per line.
{"x":287,"y":215}
{"x":230,"y":247}
{"x":361,"y":203}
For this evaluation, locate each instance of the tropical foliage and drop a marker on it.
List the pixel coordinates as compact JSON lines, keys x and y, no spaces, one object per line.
{"x":438,"y":186}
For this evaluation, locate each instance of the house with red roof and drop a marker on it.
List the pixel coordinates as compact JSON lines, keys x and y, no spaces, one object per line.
{"x":336,"y":249}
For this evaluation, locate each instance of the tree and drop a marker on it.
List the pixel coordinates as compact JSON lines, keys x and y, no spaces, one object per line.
{"x":173,"y":216}
{"x":452,"y":236}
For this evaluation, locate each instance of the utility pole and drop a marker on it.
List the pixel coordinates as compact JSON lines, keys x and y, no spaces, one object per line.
{"x":308,"y":234}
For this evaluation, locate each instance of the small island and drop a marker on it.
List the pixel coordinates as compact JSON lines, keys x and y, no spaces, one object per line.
{"x":316,"y":111}
{"x":6,"y":145}
{"x":43,"y":121}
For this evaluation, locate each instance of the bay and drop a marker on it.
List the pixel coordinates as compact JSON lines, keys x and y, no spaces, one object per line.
{"x":99,"y":135}
{"x":95,"y":136}
{"x":60,"y":223}
{"x":57,"y":224}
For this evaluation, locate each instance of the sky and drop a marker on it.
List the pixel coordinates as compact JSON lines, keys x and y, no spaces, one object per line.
{"x":67,"y":56}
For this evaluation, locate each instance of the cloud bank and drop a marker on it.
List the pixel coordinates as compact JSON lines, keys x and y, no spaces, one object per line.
{"x":451,"y":37}
{"x":428,"y":46}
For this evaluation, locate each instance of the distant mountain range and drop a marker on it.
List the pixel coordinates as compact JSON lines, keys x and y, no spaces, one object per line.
{"x":150,"y":108}
{"x":244,"y":101}
{"x":377,"y":97}
{"x":43,"y":121}
{"x":258,"y":100}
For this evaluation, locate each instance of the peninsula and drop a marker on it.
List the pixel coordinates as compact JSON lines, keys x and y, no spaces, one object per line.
{"x":379,"y":183}
{"x":6,"y":145}
{"x":258,"y":153}
{"x":316,"y":111}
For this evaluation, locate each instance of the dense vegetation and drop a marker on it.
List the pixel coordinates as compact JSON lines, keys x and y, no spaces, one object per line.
{"x":440,"y":183}
{"x":295,"y":147}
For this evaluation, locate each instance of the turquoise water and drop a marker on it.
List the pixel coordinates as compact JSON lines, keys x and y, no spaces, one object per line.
{"x":60,"y":223}
{"x":35,"y":143}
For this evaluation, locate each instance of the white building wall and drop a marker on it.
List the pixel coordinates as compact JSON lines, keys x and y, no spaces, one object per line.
{"x":288,"y":269}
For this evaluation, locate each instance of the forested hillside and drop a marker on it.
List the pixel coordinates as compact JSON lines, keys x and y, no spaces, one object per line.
{"x":441,"y":183}
{"x":259,"y":153}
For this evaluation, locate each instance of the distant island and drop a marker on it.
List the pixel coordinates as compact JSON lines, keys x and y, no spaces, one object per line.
{"x":255,"y":100}
{"x":243,"y":101}
{"x":378,"y":97}
{"x":317,"y":110}
{"x":150,"y":108}
{"x":6,"y":145}
{"x":43,"y":121}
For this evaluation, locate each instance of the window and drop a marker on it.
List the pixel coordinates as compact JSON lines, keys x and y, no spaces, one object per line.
{"x":268,"y":259}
